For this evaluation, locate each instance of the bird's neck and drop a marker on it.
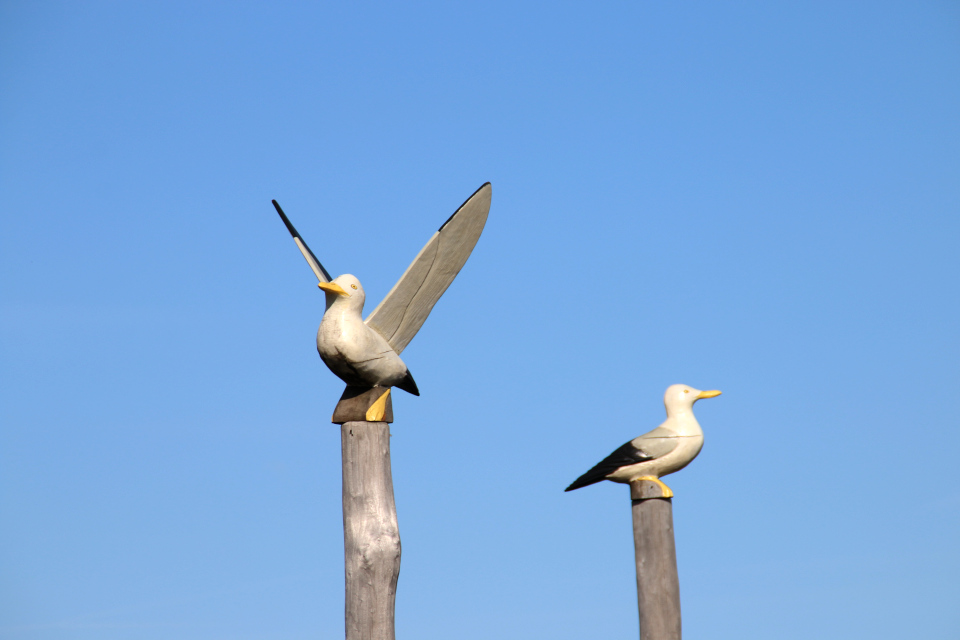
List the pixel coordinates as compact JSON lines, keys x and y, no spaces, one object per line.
{"x":684,"y":423}
{"x":343,"y":306}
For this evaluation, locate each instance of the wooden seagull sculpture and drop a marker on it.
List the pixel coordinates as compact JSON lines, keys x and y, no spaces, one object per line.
{"x":668,"y":448}
{"x":366,"y":353}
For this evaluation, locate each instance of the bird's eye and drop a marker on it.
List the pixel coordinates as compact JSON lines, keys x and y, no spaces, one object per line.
{"x":354,"y":286}
{"x":686,"y":390}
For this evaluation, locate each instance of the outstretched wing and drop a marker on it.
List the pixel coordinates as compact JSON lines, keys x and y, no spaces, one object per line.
{"x":403,"y":311}
{"x":318,"y":269}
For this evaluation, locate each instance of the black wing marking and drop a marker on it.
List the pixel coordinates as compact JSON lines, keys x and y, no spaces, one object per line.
{"x":622,"y":457}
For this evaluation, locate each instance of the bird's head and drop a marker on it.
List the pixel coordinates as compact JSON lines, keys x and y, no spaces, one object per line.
{"x":679,"y":398}
{"x":344,"y":290}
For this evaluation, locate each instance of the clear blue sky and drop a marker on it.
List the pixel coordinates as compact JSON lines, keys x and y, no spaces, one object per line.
{"x":762,"y":198}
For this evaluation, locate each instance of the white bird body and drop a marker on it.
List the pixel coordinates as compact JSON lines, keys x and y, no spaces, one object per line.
{"x":355,"y":352}
{"x":668,"y":448}
{"x":684,"y":445}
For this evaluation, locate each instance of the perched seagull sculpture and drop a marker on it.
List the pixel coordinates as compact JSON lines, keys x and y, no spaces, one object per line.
{"x":668,"y":448}
{"x":366,"y":353}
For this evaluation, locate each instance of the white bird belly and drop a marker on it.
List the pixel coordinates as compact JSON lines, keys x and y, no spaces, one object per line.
{"x":357,"y":354}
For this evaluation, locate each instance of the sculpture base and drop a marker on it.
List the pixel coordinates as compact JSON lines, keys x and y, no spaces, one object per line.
{"x":362,"y":404}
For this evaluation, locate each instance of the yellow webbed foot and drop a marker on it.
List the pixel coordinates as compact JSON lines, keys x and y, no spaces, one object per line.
{"x":667,"y":492}
{"x":378,"y":409}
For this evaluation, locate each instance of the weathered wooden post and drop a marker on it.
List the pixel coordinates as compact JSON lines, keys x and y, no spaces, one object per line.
{"x":371,"y":536}
{"x":641,"y":463}
{"x":366,"y":355}
{"x":658,"y":585}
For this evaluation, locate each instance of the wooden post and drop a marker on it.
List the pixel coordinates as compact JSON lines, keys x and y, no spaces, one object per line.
{"x":371,"y":537}
{"x":658,"y":585}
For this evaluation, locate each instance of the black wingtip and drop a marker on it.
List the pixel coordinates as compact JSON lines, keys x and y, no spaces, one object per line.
{"x":587,"y":479}
{"x":286,"y":220}
{"x":447,"y":221}
{"x":293,"y":232}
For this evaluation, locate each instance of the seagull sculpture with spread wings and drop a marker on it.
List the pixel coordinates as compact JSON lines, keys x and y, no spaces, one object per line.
{"x":366,"y":353}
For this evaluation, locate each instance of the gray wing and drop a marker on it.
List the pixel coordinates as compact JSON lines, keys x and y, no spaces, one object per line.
{"x":403,"y":311}
{"x":311,"y":259}
{"x":656,"y":443}
{"x":649,"y":446}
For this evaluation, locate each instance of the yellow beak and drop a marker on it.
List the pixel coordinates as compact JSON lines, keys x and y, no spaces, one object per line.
{"x":333,"y":287}
{"x":708,"y":394}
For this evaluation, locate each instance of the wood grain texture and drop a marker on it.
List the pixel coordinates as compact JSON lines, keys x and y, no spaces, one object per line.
{"x":371,"y":536}
{"x":658,"y":585}
{"x":400,"y":315}
{"x":356,"y":402}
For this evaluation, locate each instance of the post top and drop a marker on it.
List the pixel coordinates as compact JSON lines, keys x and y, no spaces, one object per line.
{"x":359,"y":404}
{"x":649,"y":487}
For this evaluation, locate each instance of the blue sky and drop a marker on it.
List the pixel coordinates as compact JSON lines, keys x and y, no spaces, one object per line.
{"x":761,"y":198}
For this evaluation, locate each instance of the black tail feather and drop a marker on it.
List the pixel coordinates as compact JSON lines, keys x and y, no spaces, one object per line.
{"x":408,"y":384}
